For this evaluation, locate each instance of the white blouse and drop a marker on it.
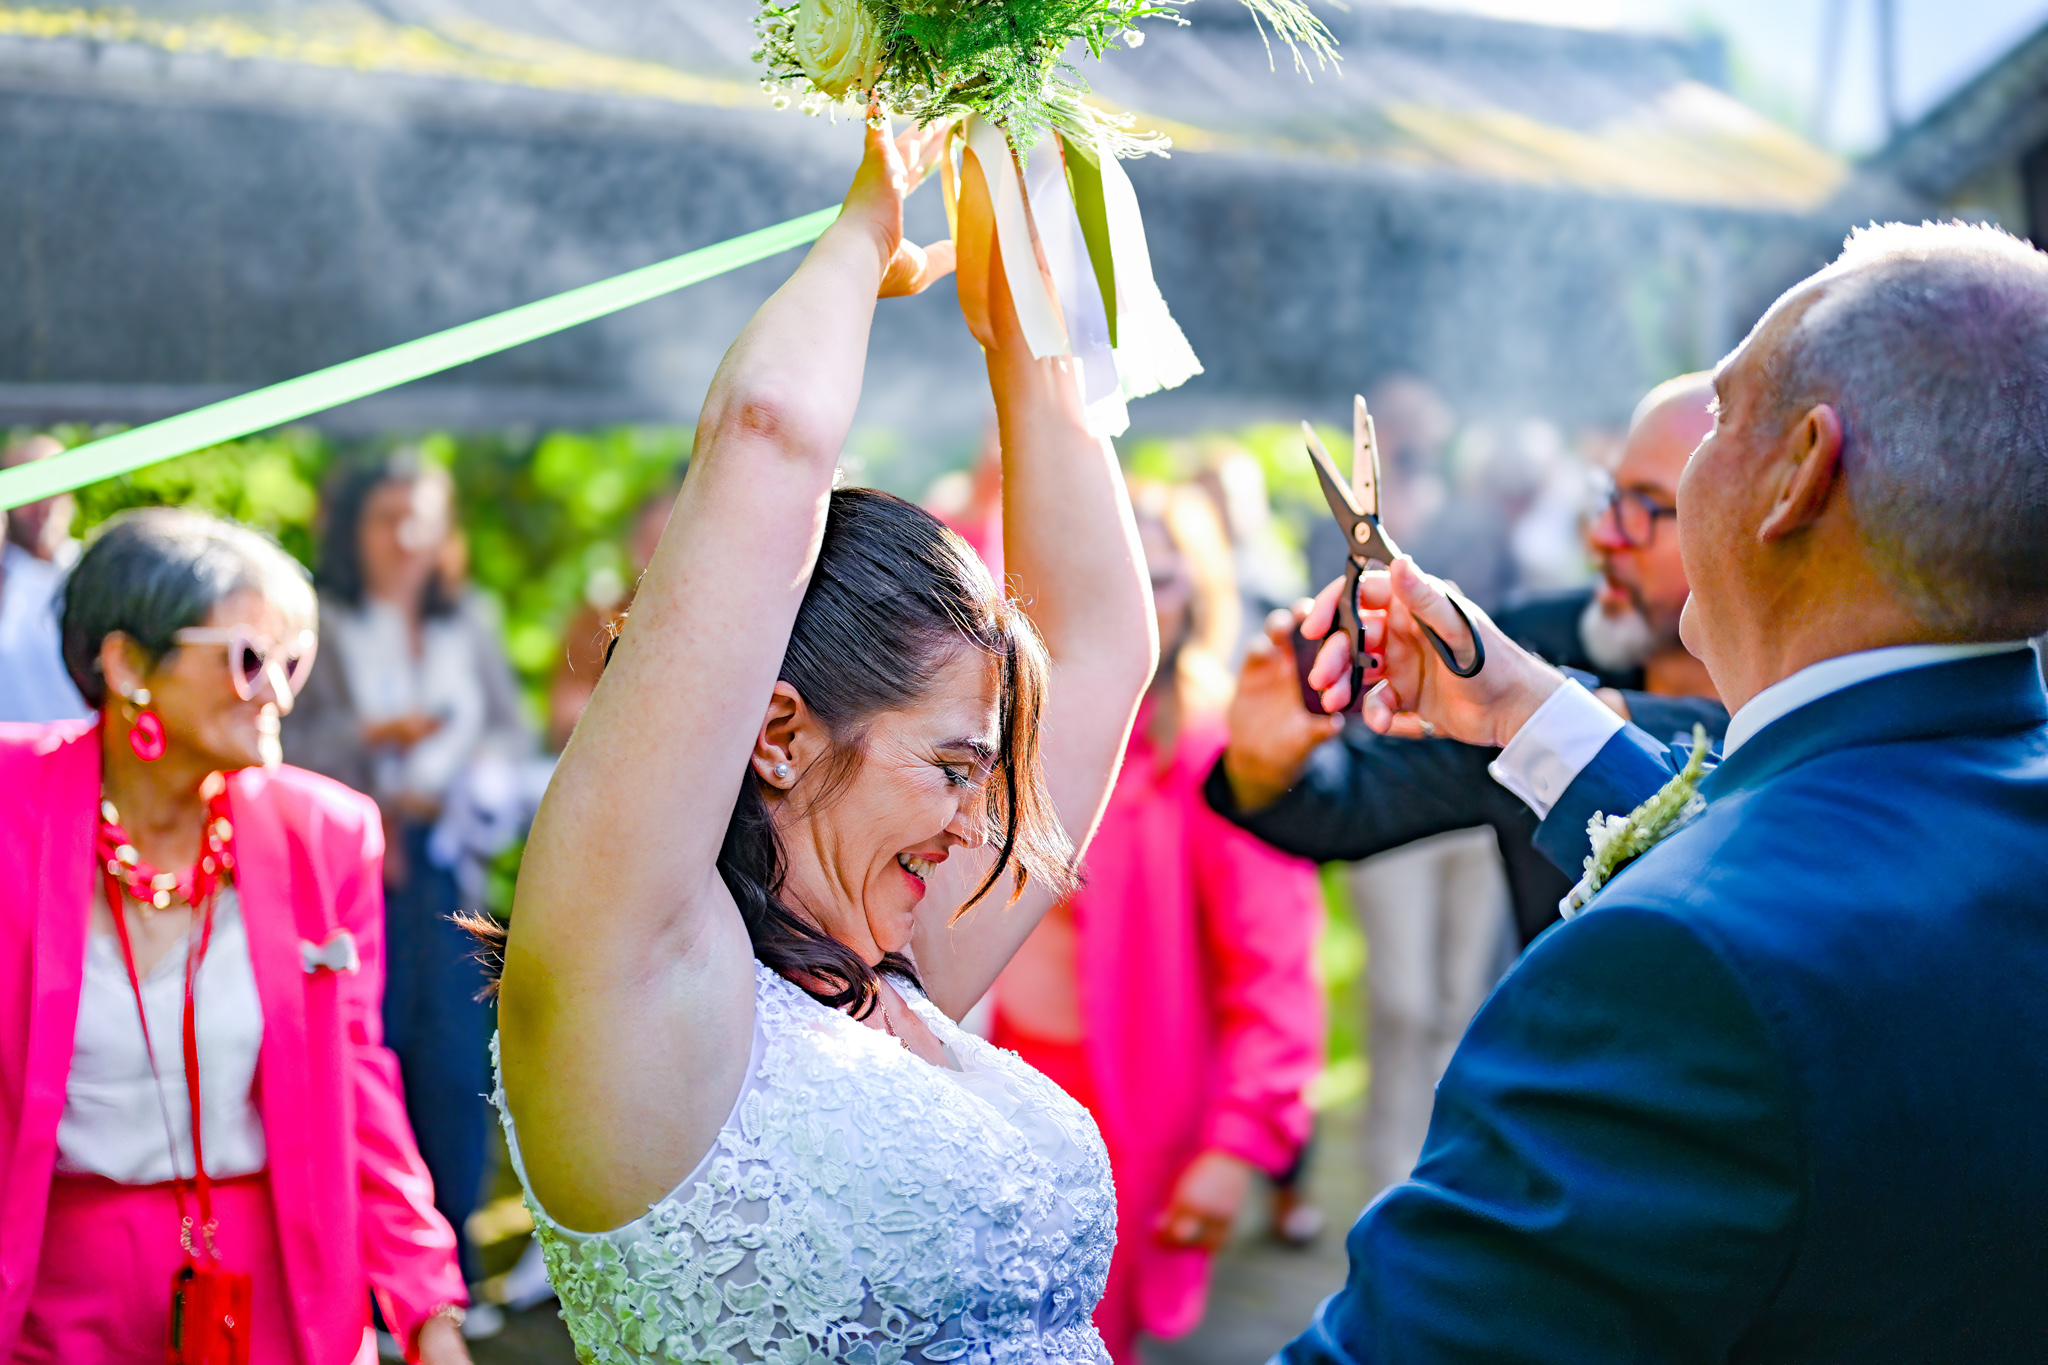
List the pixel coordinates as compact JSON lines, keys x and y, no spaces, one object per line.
{"x":387,"y":680}
{"x":113,"y":1125}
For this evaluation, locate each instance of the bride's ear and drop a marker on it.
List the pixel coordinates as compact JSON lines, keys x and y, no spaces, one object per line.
{"x":790,"y":741}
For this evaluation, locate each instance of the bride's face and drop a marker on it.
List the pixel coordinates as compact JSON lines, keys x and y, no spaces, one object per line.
{"x":861,"y":859}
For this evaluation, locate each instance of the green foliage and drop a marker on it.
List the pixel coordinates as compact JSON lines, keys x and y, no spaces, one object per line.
{"x":545,"y":518}
{"x":547,"y":521}
{"x":939,"y":60}
{"x":1004,"y":59}
{"x":1290,"y":479}
{"x":1340,"y":961}
{"x":501,"y":876}
{"x":270,"y":481}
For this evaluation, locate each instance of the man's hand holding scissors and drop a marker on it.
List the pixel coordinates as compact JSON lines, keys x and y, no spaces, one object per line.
{"x":1412,"y":694}
{"x":1432,"y":664}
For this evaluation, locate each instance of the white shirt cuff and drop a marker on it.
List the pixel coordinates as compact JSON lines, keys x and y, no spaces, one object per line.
{"x":1555,"y":746}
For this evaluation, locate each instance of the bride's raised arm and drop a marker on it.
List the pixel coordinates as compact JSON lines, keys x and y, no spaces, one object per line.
{"x":1074,"y":561}
{"x":627,"y":996}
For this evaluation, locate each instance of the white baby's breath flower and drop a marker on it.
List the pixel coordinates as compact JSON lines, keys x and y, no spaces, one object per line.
{"x":837,"y":45}
{"x":1619,"y":840}
{"x":1600,"y":832}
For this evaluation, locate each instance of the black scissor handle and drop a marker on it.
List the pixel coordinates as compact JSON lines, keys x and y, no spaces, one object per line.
{"x":1347,"y":621}
{"x":1444,"y":651}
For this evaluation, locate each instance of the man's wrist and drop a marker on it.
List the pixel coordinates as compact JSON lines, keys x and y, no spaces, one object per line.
{"x":1553,"y":744}
{"x":1526,"y":696}
{"x":1252,"y":789}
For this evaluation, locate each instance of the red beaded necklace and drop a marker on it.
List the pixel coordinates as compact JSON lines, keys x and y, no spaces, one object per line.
{"x":153,"y":890}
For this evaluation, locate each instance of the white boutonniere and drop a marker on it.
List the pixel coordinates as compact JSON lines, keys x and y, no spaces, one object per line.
{"x":1619,"y":840}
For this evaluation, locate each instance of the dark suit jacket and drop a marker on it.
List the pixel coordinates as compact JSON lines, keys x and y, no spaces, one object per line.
{"x":1780,"y":1093}
{"x":1362,"y":793}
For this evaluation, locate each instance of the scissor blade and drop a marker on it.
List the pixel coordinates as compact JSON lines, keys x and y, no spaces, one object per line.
{"x":1342,"y":505}
{"x":1365,"y":458}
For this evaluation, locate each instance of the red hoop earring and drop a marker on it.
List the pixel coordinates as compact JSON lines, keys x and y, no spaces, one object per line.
{"x":146,"y":733}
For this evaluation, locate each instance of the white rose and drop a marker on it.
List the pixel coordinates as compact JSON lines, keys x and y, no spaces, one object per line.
{"x":836,"y":44}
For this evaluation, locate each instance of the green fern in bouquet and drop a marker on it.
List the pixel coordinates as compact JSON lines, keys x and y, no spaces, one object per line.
{"x":1006,"y":60}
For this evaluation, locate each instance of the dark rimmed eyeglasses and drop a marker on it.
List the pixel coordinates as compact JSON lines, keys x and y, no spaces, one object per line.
{"x":252,"y":654}
{"x":1635,"y":514}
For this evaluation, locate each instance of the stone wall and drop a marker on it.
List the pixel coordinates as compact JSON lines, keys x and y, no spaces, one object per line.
{"x":178,"y":229}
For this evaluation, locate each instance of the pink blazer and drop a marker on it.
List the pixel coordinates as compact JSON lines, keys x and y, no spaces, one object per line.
{"x":341,"y":1151}
{"x":1201,"y":1014}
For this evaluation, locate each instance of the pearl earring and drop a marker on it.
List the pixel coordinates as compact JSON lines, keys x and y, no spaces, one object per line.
{"x":782,"y":772}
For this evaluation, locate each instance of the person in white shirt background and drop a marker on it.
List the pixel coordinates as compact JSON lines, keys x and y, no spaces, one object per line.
{"x":412,"y":691}
{"x":39,"y":549}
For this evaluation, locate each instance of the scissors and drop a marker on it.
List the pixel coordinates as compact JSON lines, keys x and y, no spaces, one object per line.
{"x":1357,"y":509}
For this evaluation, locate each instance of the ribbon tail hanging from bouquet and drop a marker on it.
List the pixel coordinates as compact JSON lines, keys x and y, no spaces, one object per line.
{"x":1032,"y":289}
{"x":1072,"y":244}
{"x":1151,"y":351}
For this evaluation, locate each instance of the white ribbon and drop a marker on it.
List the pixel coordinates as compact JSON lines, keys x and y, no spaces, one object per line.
{"x":1152,"y":352}
{"x":1035,"y":222}
{"x":1036,"y":310}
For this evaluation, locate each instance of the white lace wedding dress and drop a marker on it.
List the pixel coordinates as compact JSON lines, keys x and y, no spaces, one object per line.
{"x":859,"y":1205}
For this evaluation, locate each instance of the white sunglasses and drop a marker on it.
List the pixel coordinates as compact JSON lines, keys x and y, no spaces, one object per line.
{"x":252,"y":654}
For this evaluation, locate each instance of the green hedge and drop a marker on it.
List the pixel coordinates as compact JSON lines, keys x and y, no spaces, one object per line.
{"x":545,"y":516}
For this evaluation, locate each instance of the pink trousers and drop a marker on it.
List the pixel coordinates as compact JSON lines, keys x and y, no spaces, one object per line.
{"x":103,"y":1282}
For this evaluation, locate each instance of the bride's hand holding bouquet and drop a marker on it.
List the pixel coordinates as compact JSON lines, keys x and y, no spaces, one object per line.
{"x":890,"y":172}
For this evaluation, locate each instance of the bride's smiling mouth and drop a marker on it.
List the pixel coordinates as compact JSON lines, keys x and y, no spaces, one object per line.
{"x":918,"y":867}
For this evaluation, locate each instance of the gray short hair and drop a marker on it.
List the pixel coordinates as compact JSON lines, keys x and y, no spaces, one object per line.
{"x":152,"y":572}
{"x":1931,"y":342}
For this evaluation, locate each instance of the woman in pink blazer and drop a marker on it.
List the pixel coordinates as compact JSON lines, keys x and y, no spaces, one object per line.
{"x":190,"y":635}
{"x":1174,"y":995}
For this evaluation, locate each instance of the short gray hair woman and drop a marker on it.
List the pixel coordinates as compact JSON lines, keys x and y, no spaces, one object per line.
{"x":172,"y":880}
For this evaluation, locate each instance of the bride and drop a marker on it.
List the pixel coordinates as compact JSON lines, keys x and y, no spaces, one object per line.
{"x":829,"y":782}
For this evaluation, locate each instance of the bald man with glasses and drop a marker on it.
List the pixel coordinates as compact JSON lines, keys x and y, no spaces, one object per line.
{"x":1319,"y":790}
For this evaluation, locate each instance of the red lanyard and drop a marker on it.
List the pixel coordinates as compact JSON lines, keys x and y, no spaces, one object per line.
{"x":195,"y":955}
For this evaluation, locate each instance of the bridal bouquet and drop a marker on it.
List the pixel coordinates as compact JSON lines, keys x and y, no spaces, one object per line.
{"x":1030,"y":162}
{"x":1005,"y":60}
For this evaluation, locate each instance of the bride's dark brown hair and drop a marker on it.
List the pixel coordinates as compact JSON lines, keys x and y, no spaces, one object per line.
{"x":893,"y":596}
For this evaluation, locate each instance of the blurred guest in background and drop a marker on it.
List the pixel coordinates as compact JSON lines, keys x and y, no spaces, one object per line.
{"x":1629,"y":625}
{"x":1174,"y":995}
{"x":42,"y":527}
{"x":1437,"y":508}
{"x":589,"y":632}
{"x":413,"y":687}
{"x":191,"y":635}
{"x":1267,"y":567}
{"x":1434,"y":914}
{"x":37,"y":550}
{"x":970,"y":501}
{"x":1286,"y":779}
{"x":1548,"y":539}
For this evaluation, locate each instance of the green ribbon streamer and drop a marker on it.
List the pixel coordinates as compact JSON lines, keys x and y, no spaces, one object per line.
{"x":292,"y":399}
{"x":1084,"y":184}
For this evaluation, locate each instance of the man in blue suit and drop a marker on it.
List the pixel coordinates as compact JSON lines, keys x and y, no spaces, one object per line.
{"x":1780,"y":1091}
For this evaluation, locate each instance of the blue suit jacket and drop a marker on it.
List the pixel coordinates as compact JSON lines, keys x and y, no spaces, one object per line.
{"x":1781,"y":1092}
